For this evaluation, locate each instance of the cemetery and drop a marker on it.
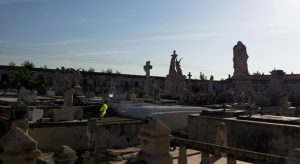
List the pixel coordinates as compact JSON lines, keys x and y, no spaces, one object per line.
{"x":52,"y":116}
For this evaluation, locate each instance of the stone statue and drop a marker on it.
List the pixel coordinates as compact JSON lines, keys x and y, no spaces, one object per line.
{"x":240,"y":58}
{"x":175,"y":80}
{"x":172,"y":63}
{"x":76,"y":77}
{"x":178,"y":69}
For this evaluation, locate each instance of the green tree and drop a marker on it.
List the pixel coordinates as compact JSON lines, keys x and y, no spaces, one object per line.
{"x":12,"y":64}
{"x":27,"y":64}
{"x":117,"y":72}
{"x":91,"y":69}
{"x":28,"y":79}
{"x":5,"y":82}
{"x":202,"y":76}
{"x":108,"y":71}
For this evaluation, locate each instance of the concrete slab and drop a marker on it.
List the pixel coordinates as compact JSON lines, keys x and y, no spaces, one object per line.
{"x":175,"y":116}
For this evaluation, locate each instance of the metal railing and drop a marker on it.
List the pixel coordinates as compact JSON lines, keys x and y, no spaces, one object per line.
{"x":233,"y":154}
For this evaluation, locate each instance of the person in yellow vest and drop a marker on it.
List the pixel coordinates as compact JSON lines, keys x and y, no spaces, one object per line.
{"x":103,"y":110}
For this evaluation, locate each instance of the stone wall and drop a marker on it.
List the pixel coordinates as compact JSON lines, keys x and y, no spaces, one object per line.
{"x":53,"y":135}
{"x":99,"y":83}
{"x":262,"y":137}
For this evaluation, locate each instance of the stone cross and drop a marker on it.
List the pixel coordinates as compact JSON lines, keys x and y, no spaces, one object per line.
{"x":189,"y":75}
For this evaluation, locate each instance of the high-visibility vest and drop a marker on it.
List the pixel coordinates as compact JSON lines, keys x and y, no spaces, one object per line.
{"x":103,"y":109}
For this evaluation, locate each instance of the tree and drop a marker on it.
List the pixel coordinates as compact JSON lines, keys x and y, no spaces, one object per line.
{"x":12,"y":64}
{"x":28,"y":79}
{"x":108,"y":71}
{"x":45,"y":67}
{"x":117,"y":72}
{"x":202,"y":76}
{"x":91,"y":69}
{"x":27,"y":64}
{"x":5,"y":82}
{"x":211,"y":78}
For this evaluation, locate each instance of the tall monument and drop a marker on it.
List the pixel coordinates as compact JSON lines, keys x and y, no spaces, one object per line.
{"x":241,"y":82}
{"x":175,"y":80}
{"x":148,"y":88}
{"x":240,"y":65}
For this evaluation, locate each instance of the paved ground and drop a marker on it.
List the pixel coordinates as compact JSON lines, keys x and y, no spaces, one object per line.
{"x":194,"y":157}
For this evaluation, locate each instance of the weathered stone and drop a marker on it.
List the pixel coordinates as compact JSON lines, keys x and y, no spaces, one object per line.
{"x":240,"y":58}
{"x":175,"y":80}
{"x":102,"y":136}
{"x":129,"y":130}
{"x":50,"y":93}
{"x":63,"y":114}
{"x":16,"y":140}
{"x":35,"y":115}
{"x":65,"y":155}
{"x":26,"y":157}
{"x":148,"y":88}
{"x":21,"y":123}
{"x":27,"y":95}
{"x":116,"y":129}
{"x":155,"y":139}
{"x":156,"y":128}
{"x":78,"y":113}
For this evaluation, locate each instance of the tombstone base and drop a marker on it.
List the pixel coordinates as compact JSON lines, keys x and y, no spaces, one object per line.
{"x":63,"y":114}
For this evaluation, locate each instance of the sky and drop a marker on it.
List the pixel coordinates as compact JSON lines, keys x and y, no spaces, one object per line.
{"x":124,"y":34}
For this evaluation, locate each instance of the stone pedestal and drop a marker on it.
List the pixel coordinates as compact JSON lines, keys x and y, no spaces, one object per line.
{"x":175,"y":85}
{"x":242,"y":89}
{"x":65,"y":155}
{"x":155,"y":140}
{"x":18,"y":147}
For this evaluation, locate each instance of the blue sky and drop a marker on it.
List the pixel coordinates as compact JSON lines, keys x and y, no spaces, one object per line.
{"x":124,"y":34}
